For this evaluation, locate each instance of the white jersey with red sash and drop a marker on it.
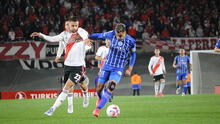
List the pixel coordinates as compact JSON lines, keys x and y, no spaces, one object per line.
{"x":156,"y":65}
{"x":73,"y":45}
{"x":102,"y":52}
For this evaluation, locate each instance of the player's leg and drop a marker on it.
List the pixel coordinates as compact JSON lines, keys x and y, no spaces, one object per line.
{"x":138,"y":92}
{"x":67,"y":71}
{"x":70,"y":101}
{"x":84,"y":86}
{"x":114,"y":79}
{"x":69,"y":84}
{"x":189,"y":87}
{"x":184,"y":81}
{"x":162,"y":85}
{"x":102,"y":80}
{"x":178,"y":82}
{"x":156,"y":85}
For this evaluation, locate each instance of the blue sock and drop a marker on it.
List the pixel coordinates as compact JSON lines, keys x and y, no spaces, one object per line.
{"x":177,"y":86}
{"x":184,"y":88}
{"x":105,"y":97}
{"x":99,"y":94}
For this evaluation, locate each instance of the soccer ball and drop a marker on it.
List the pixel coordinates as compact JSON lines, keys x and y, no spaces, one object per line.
{"x":113,"y":111}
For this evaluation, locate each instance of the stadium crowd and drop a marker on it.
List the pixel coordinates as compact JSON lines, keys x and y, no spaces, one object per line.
{"x":144,"y":18}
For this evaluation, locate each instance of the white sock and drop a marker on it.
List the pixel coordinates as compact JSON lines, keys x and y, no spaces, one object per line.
{"x":60,"y":99}
{"x":162,"y":85}
{"x":70,"y":99}
{"x":156,"y":87}
{"x":85,"y":93}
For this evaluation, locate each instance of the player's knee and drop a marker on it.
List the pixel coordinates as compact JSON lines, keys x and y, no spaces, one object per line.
{"x":111,"y":85}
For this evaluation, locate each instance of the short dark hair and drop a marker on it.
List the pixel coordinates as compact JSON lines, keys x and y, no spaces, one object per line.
{"x":73,"y":19}
{"x":120,"y":27}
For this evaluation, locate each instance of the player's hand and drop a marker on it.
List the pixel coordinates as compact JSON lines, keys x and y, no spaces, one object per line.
{"x":175,"y":66}
{"x":127,"y":73}
{"x":152,"y":74}
{"x":88,"y":42}
{"x":57,"y":59}
{"x":34,"y":34}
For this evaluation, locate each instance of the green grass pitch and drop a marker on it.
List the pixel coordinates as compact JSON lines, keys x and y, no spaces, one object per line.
{"x":171,"y":109}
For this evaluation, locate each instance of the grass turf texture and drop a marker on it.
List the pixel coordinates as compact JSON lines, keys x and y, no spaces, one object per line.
{"x":171,"y":109}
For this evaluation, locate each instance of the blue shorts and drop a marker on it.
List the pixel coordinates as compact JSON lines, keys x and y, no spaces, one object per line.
{"x":136,"y":86}
{"x":108,"y":73}
{"x":181,"y":76}
{"x":188,"y":84}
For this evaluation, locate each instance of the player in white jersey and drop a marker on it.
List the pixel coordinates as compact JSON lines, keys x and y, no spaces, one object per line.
{"x":157,"y":69}
{"x":74,"y":44}
{"x":102,"y":52}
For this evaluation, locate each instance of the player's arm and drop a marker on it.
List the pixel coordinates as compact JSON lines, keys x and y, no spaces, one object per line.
{"x":175,"y":62}
{"x":59,"y":52}
{"x":48,"y":38}
{"x":163,"y":67}
{"x":150,"y":66}
{"x":132,"y":61}
{"x":105,"y":35}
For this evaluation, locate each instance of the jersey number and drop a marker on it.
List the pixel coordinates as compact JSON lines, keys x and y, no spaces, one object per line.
{"x":77,"y":77}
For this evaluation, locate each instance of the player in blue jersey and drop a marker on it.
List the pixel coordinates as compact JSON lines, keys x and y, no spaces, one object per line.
{"x":217,"y":46}
{"x":121,"y":47}
{"x":181,"y":64}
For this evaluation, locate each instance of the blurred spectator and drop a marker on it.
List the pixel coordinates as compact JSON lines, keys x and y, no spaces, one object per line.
{"x":11,"y":34}
{"x":136,"y":83}
{"x":182,"y":18}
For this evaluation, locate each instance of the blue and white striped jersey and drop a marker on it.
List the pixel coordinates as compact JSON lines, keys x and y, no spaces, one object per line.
{"x":119,"y":50}
{"x":182,"y":64}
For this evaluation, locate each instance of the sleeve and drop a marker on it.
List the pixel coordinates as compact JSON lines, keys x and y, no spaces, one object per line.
{"x":133,"y":54}
{"x":60,"y":49}
{"x":83,"y":33}
{"x":175,"y":60}
{"x":105,"y":35}
{"x":56,"y":38}
{"x":150,"y":65}
{"x":188,"y":59}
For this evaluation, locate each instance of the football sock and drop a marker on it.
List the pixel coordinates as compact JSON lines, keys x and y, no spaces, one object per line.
{"x":156,"y":87}
{"x":105,"y":98}
{"x":162,"y":85}
{"x":60,"y":99}
{"x":184,"y":88}
{"x":70,"y":99}
{"x":177,"y":86}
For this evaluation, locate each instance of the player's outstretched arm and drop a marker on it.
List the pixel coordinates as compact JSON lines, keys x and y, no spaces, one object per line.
{"x":35,"y":34}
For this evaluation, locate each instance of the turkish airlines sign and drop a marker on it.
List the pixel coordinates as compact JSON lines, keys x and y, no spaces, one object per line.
{"x":22,"y":50}
{"x":200,"y":43}
{"x":45,"y":94}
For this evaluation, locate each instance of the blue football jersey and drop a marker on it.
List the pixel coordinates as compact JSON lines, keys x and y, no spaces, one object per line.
{"x":182,"y":64}
{"x":119,"y":50}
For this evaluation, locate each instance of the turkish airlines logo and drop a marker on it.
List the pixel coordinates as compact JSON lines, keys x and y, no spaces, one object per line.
{"x":20,"y":95}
